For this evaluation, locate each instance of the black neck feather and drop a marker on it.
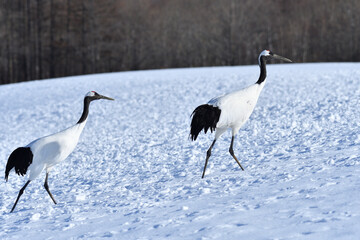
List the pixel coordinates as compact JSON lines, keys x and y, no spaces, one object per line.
{"x":85,"y":113}
{"x":262,"y":70}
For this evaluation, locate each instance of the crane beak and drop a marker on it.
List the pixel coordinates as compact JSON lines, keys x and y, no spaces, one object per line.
{"x":105,"y":97}
{"x":281,"y":58}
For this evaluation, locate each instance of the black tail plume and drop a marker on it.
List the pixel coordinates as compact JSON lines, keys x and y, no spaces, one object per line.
{"x":20,"y":159}
{"x":204,"y":117}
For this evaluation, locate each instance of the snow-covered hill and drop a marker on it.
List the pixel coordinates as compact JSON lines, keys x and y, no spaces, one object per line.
{"x":136,"y":175}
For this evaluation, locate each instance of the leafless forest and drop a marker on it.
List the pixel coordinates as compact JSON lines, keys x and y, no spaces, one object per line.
{"x":53,"y":38}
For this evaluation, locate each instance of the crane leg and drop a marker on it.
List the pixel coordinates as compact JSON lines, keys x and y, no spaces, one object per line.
{"x":19,"y":195}
{"x":231,"y":151}
{"x":208,"y":154}
{"x":46,"y":186}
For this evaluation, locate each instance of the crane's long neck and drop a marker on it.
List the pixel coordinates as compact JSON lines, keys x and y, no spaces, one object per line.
{"x":262,"y":64}
{"x":86,"y":110}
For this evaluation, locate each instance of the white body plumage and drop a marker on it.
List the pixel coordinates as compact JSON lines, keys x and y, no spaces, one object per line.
{"x":51,"y":150}
{"x":236,"y":108}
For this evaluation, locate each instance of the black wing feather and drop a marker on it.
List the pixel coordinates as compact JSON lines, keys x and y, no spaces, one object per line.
{"x":20,"y":159}
{"x":204,"y":117}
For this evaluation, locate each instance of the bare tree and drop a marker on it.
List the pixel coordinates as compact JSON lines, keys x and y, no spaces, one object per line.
{"x":43,"y":39}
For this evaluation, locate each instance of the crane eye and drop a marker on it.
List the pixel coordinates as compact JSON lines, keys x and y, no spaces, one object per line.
{"x":269,"y":52}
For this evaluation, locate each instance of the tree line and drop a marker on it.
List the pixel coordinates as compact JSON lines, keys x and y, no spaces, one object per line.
{"x":54,"y":38}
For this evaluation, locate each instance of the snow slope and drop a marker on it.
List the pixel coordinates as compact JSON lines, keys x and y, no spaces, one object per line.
{"x":136,"y":175}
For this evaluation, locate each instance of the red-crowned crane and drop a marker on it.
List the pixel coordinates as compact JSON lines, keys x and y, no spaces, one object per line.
{"x":45,"y":152}
{"x":231,"y":110}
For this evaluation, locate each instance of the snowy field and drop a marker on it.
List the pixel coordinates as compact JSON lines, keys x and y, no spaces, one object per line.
{"x":136,"y":175}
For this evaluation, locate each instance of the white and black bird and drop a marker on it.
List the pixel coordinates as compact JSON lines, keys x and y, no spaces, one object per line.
{"x":45,"y":152}
{"x":231,"y":110}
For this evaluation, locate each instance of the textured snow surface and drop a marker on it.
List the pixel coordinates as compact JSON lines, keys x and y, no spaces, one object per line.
{"x":136,"y":175}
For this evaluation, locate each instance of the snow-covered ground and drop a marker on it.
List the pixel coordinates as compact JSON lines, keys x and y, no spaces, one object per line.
{"x":136,"y":175}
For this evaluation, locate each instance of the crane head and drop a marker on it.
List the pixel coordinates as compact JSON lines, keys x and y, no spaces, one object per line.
{"x":92,"y":95}
{"x":267,"y":55}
